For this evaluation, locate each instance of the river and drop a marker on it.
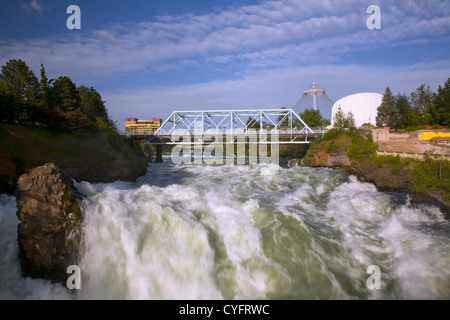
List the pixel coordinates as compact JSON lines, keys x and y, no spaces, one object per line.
{"x":229,"y":232}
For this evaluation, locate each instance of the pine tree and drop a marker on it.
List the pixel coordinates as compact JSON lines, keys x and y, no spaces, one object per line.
{"x":387,"y":115}
{"x":314,"y":119}
{"x":342,"y":121}
{"x":93,"y":106}
{"x":422,"y":101}
{"x":440,"y":111}
{"x":45,"y":85}
{"x":9,"y":104}
{"x":339,"y":120}
{"x":65,"y":94}
{"x":24,"y":84}
{"x":406,"y":114}
{"x":349,"y":120}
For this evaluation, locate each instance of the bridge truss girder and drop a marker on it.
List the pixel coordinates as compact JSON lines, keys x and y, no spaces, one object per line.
{"x":272,"y":121}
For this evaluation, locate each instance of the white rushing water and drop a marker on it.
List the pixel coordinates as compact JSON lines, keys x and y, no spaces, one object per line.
{"x":228,"y":232}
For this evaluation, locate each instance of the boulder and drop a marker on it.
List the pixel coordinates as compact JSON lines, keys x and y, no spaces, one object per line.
{"x":338,"y":160}
{"x":50,"y":232}
{"x":324,"y":159}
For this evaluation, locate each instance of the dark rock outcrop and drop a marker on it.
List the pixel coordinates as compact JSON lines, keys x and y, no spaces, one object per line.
{"x":49,"y":234}
{"x":126,"y":170}
{"x":383,"y":178}
{"x":324,"y":159}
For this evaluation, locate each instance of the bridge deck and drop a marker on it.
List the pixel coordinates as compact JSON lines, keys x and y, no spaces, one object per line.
{"x":282,"y":138}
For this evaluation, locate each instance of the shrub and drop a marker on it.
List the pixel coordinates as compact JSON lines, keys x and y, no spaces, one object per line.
{"x":431,"y":174}
{"x":368,"y":125}
{"x":69,"y":120}
{"x":332,"y":148}
{"x":415,"y":128}
{"x":352,"y":132}
{"x":331,"y":134}
{"x":361,"y":148}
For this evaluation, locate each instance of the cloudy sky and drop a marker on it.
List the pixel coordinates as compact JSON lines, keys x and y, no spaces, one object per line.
{"x":148,"y":58}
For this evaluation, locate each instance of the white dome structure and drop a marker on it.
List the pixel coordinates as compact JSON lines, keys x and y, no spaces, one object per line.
{"x":363,"y":106}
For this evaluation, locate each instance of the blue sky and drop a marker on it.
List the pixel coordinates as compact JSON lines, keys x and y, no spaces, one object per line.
{"x":149,"y":58}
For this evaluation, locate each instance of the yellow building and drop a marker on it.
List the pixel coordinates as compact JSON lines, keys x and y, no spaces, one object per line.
{"x":427,"y":135}
{"x":142,"y":126}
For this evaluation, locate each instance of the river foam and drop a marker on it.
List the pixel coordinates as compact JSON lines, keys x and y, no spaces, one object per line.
{"x":228,"y":232}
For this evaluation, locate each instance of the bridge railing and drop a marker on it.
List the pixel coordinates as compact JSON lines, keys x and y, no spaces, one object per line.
{"x":282,"y":132}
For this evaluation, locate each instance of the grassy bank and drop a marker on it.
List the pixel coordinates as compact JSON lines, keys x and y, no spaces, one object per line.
{"x":431,"y":177}
{"x":95,"y":156}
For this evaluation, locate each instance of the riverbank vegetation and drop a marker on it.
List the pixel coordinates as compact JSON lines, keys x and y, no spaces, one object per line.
{"x":422,"y":107}
{"x":92,"y":156}
{"x":56,"y":104}
{"x":387,"y":172}
{"x":54,"y":120}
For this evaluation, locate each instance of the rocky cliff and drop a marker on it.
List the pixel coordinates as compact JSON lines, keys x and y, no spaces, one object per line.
{"x":50,"y":232}
{"x":324,"y":159}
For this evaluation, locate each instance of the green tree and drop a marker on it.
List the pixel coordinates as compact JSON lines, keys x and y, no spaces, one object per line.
{"x":285,"y":123}
{"x":339,"y":120}
{"x":24,"y":84}
{"x":387,"y":112}
{"x":422,"y":103}
{"x":314,"y":119}
{"x":46,"y":86}
{"x":45,"y":102}
{"x":93,"y":106}
{"x":406,"y":114}
{"x":91,"y":103}
{"x":342,"y":121}
{"x":253,"y":123}
{"x":65,"y":94}
{"x":440,"y":111}
{"x":349,"y":120}
{"x":9,"y":104}
{"x":74,"y":120}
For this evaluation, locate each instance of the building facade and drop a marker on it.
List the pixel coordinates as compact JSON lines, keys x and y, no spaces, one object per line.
{"x":363,"y":106}
{"x":135,"y":125}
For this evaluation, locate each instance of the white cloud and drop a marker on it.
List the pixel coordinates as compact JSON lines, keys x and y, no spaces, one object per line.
{"x":276,"y":49}
{"x":280,"y":87}
{"x":36,"y":6}
{"x":276,"y":30}
{"x":106,"y":35}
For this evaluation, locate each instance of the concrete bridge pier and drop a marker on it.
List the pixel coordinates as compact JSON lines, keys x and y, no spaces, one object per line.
{"x":147,"y":152}
{"x":158,"y":153}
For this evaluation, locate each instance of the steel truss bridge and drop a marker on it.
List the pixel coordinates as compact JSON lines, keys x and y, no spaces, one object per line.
{"x":282,"y":126}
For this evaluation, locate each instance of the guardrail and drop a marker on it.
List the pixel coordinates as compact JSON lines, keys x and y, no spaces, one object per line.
{"x":299,"y":131}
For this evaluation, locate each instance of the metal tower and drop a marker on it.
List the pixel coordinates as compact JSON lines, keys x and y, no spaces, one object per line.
{"x":320,"y":101}
{"x":314,"y":92}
